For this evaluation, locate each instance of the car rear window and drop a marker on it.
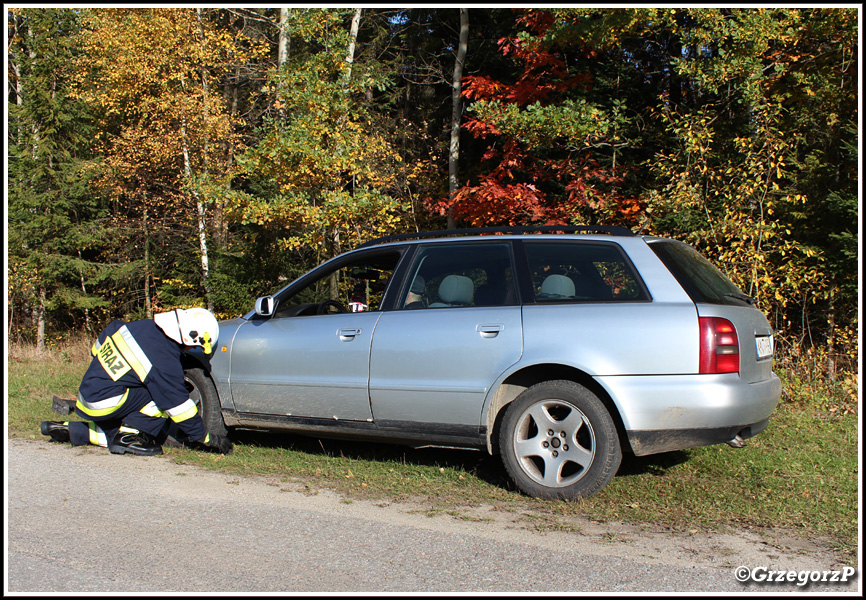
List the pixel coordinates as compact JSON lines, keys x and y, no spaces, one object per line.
{"x":701,"y":280}
{"x":563,"y":271}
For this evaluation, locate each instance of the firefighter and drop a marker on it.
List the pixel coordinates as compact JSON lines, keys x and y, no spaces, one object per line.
{"x":133,"y":393}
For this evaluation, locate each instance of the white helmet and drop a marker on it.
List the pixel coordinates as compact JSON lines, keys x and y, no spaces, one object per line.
{"x":190,"y":327}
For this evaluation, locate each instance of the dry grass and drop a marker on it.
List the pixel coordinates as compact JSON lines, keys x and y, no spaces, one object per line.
{"x":74,"y":349}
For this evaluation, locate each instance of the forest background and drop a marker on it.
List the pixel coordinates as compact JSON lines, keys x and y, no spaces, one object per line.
{"x":175,"y":157}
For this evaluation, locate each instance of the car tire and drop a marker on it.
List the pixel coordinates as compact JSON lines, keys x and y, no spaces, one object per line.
{"x":558,"y":441}
{"x":204,"y":394}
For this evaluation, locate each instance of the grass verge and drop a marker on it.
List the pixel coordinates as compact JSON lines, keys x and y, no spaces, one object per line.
{"x":799,"y":476}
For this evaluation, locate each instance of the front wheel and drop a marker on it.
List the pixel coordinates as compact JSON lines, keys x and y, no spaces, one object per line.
{"x":558,"y":441}
{"x":204,"y":394}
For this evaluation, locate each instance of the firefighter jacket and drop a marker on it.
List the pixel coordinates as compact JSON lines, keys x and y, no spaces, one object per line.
{"x":138,"y":355}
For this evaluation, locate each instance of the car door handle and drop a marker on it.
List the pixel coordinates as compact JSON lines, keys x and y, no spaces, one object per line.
{"x":347,"y":335}
{"x":490,"y":330}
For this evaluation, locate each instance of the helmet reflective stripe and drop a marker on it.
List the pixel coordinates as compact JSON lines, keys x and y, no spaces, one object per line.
{"x":182,"y":412}
{"x":100,"y":408}
{"x":132,"y":352}
{"x":208,"y":347}
{"x":97,"y":436}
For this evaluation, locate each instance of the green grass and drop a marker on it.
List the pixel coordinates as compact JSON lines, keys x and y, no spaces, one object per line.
{"x":800,"y":475}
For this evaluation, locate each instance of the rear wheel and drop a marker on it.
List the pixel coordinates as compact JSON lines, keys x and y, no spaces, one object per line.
{"x":204,"y":394}
{"x":558,"y":441}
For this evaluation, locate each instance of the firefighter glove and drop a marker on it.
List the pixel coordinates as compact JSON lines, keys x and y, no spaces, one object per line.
{"x":219,"y":443}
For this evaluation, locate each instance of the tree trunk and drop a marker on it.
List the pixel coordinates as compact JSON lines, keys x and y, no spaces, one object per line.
{"x":456,"y":111}
{"x":16,"y":73}
{"x":285,"y":38}
{"x":831,"y":338}
{"x":282,"y":57}
{"x":202,"y":218}
{"x":353,"y":38}
{"x":148,"y":306}
{"x":84,"y":291}
{"x":334,"y":250}
{"x":205,"y":87}
{"x":39,"y":317}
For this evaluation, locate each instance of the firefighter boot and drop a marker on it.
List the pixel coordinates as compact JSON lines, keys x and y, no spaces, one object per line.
{"x":138,"y":443}
{"x":57,"y":431}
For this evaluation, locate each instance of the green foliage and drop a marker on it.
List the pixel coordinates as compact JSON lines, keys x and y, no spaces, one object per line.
{"x":54,"y":235}
{"x":537,"y":125}
{"x":132,"y":128}
{"x":331,"y":165}
{"x":748,"y":147}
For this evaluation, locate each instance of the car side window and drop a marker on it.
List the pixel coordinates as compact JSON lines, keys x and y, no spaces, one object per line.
{"x":460,"y":275}
{"x":355,"y":286}
{"x":563,"y":271}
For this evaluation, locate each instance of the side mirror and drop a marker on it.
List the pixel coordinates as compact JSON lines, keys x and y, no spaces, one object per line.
{"x":265,"y":306}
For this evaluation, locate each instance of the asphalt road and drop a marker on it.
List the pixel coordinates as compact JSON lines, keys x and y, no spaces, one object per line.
{"x":83,"y":521}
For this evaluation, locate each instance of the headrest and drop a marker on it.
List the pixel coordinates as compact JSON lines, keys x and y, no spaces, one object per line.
{"x":558,"y":285}
{"x":456,"y":289}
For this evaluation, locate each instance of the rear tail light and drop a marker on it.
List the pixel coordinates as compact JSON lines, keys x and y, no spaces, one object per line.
{"x":720,"y":351}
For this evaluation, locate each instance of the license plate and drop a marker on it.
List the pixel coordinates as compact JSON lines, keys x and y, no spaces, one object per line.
{"x":764,"y":345}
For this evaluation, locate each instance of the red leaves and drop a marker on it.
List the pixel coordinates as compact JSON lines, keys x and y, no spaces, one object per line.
{"x":494,"y":202}
{"x":536,"y":21}
{"x":544,"y":70}
{"x":481,"y":129}
{"x":555,"y":183}
{"x":480,"y":88}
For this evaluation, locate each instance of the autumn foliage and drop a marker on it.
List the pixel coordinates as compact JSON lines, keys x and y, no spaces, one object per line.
{"x":539,"y":166}
{"x":182,"y":156}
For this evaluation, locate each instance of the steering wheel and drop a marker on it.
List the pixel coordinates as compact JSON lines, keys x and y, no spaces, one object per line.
{"x":323,"y":307}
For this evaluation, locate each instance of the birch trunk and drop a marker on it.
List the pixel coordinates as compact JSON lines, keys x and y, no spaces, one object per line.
{"x":87,"y":327}
{"x":148,"y":306}
{"x":282,"y":58}
{"x":202,"y":218}
{"x":353,"y":38}
{"x":39,"y":317}
{"x":285,"y":38}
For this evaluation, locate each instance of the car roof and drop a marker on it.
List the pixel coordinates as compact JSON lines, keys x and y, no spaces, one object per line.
{"x":508,"y":232}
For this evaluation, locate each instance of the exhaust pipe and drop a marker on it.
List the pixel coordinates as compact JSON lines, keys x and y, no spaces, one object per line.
{"x":737,"y":442}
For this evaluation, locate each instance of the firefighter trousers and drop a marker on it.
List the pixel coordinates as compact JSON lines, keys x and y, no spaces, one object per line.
{"x":137,"y":414}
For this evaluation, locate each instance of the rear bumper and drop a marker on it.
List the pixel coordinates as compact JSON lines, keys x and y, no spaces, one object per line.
{"x":653,"y":442}
{"x":672,"y":412}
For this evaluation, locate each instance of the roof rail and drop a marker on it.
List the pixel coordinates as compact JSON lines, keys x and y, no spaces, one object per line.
{"x":517,"y":230}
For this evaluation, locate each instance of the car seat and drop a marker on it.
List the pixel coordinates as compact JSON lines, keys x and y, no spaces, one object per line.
{"x":556,"y":287}
{"x":455,"y":290}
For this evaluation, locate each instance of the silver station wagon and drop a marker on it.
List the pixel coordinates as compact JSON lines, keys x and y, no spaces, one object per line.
{"x":557,"y":348}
